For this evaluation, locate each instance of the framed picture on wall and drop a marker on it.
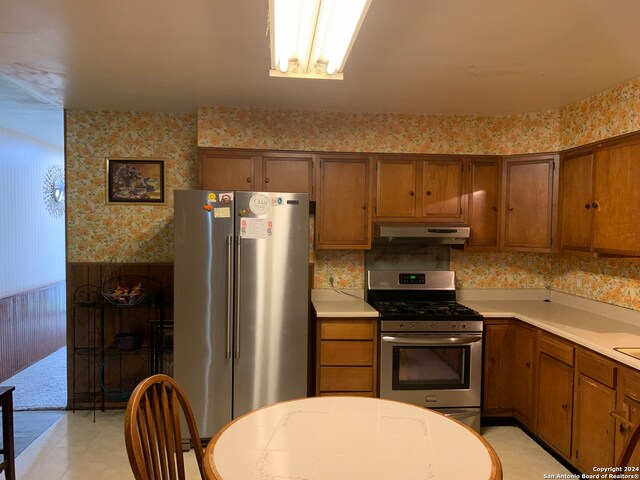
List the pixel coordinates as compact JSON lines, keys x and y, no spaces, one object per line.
{"x":135,"y":180}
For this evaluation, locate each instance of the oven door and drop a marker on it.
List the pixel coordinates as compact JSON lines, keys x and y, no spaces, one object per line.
{"x":435,"y":370}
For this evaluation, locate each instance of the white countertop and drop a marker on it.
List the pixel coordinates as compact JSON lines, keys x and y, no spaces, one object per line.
{"x":341,"y":303}
{"x":595,"y":325}
{"x":355,"y":438}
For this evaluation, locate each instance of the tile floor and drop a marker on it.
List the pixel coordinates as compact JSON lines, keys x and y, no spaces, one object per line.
{"x":75,"y":448}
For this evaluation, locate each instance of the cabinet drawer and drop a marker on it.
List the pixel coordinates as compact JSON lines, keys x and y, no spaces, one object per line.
{"x":336,"y":352}
{"x":341,"y":330}
{"x":346,"y":379}
{"x":597,"y":367}
{"x":556,"y":348}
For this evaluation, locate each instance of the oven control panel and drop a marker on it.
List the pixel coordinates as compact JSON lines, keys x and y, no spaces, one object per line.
{"x":396,"y":326}
{"x":411,"y":279}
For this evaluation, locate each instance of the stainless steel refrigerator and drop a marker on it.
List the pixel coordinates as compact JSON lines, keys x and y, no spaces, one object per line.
{"x":240,"y":301}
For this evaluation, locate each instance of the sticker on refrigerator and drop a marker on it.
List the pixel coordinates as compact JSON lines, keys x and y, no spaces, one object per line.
{"x":222,"y":212}
{"x":211,"y":198}
{"x":226,"y":198}
{"x":259,"y":204}
{"x":255,"y":228}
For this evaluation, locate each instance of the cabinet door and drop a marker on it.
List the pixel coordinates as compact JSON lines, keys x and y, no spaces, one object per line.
{"x":525,"y":345}
{"x":628,"y":409}
{"x":343,"y":218}
{"x":287,"y":174}
{"x":226,"y":171}
{"x":577,"y":196}
{"x":442,"y":189}
{"x":593,"y":426}
{"x":617,"y":197}
{"x":483,"y":187}
{"x":497,"y":392}
{"x":529,"y":187}
{"x":555,"y":402}
{"x":396,"y":188}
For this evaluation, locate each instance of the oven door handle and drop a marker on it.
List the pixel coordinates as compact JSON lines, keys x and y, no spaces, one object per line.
{"x":433,"y":339}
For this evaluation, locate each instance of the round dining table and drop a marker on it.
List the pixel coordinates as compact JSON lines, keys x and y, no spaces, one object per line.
{"x":350,"y":438}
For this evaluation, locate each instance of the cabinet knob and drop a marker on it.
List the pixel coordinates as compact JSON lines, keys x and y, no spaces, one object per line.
{"x":527,"y":364}
{"x":266,"y":180}
{"x":428,"y":193}
{"x":587,"y":206}
{"x":411,"y":193}
{"x":248,"y":179}
{"x":595,"y":205}
{"x":364,"y":206}
{"x":510,"y":209}
{"x":565,"y":406}
{"x":495,"y":209}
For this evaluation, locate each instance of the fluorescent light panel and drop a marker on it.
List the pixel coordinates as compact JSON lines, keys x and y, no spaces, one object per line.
{"x":313,"y":38}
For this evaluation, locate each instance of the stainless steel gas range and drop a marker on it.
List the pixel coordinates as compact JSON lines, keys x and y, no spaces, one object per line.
{"x":430,"y":345}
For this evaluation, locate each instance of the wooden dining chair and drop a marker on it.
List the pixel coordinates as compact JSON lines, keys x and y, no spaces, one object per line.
{"x":152,"y":430}
{"x":629,"y":447}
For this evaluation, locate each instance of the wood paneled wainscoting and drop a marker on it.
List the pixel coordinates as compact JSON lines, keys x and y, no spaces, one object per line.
{"x":32,"y":326}
{"x":102,"y":367}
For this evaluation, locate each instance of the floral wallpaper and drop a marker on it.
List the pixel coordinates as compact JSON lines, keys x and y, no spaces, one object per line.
{"x":607,"y":114}
{"x":97,"y":232}
{"x":260,"y":128}
{"x":100,"y":232}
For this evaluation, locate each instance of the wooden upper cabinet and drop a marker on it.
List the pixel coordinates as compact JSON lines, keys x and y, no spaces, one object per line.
{"x":483,"y":187}
{"x":242,"y":170}
{"x":617,"y":200}
{"x":290,"y":173}
{"x":530,"y":187}
{"x":576,"y":212}
{"x":442,"y":189}
{"x":343,"y":216}
{"x":226,"y":170}
{"x":419,"y":189}
{"x":396,"y":185}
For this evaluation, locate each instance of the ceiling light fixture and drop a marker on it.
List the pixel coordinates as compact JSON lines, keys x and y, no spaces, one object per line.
{"x":313,"y":38}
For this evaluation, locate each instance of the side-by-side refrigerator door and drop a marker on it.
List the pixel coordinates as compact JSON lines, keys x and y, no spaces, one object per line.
{"x":203,"y":303}
{"x":272,"y":256}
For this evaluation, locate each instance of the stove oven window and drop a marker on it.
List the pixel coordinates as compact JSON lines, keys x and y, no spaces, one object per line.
{"x":431,"y":367}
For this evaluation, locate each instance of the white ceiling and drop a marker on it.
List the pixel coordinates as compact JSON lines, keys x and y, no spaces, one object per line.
{"x":454,"y":57}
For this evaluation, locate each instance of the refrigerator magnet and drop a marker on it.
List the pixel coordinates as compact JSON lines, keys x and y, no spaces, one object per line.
{"x":222,"y":212}
{"x":259,"y":204}
{"x":257,"y":228}
{"x":211,"y":197}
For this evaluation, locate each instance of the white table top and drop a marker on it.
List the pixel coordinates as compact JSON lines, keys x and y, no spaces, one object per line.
{"x":333,"y":438}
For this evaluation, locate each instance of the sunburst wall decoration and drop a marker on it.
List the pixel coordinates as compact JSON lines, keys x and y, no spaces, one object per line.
{"x":53,"y":190}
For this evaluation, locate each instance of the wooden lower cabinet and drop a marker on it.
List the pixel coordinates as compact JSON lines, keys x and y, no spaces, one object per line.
{"x":346,"y":356}
{"x":525,"y":344}
{"x":497,"y":394}
{"x":595,"y":399}
{"x":555,"y":393}
{"x":581,"y":404}
{"x":627,"y":413}
{"x":509,"y":367}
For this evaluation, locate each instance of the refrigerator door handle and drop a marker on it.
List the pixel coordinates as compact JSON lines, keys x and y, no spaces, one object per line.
{"x":236,"y":353}
{"x":229,"y":295}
